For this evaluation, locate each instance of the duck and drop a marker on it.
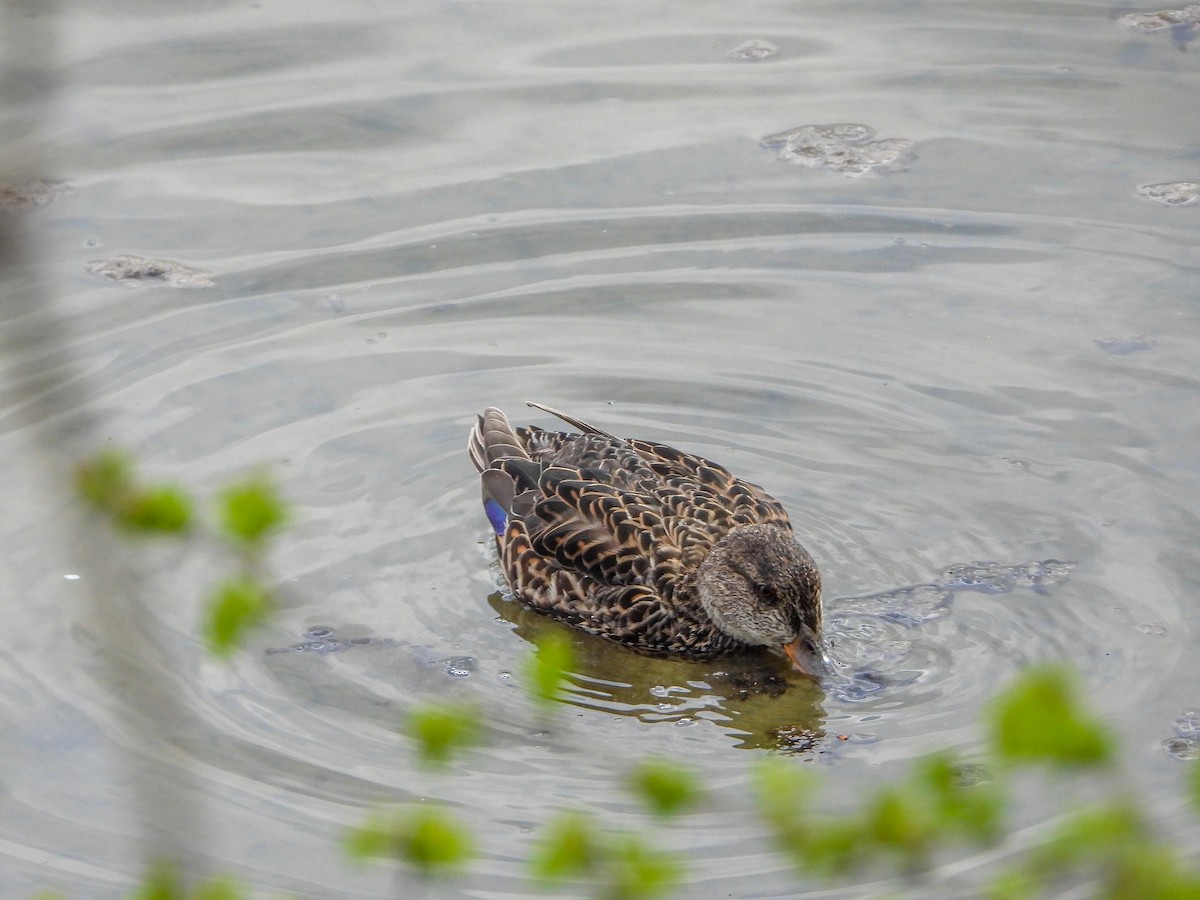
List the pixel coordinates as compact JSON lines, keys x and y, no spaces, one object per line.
{"x":645,"y":545}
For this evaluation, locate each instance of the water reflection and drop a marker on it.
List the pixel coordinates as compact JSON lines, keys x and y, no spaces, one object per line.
{"x":875,"y":646}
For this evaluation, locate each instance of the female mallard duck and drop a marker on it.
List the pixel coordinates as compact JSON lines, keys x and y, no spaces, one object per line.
{"x":645,"y":545}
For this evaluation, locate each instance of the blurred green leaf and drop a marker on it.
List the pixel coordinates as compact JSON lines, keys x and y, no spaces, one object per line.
{"x":427,"y":838}
{"x":161,"y":882}
{"x":1093,"y":832}
{"x":783,"y":790}
{"x":814,"y":844}
{"x":547,"y":667}
{"x":217,"y":889}
{"x":106,"y":481}
{"x":901,"y":820}
{"x":236,"y":606}
{"x":439,"y":731}
{"x":567,"y":848}
{"x":251,"y":510}
{"x":435,"y":841}
{"x":640,"y":872}
{"x":665,"y":787}
{"x":1151,"y":871}
{"x":1016,"y":884}
{"x":829,"y":846}
{"x":374,"y":838}
{"x":973,"y":808}
{"x":105,"y":477}
{"x":1038,"y":720}
{"x":164,"y":509}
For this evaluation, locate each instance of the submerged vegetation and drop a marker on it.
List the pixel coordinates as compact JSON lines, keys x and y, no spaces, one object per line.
{"x":1106,"y":846}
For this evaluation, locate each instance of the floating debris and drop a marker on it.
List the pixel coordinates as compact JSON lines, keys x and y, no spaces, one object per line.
{"x":1125,"y":346}
{"x":135,"y":270}
{"x":753,"y":51}
{"x":21,"y":198}
{"x":1172,"y":193}
{"x":797,"y":739}
{"x":1188,"y":17}
{"x":994,"y":578}
{"x":1182,"y":24}
{"x":845,"y":147}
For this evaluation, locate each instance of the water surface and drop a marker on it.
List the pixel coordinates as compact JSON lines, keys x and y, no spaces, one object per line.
{"x":985,"y":352}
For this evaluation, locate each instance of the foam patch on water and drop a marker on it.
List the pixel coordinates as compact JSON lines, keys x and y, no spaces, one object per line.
{"x":1172,"y":193}
{"x":136,"y":270}
{"x":845,"y":147}
{"x":1187,"y":17}
{"x":753,"y":51}
{"x":30,"y":195}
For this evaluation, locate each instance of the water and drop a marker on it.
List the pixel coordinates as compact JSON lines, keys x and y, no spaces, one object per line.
{"x":986,"y":353}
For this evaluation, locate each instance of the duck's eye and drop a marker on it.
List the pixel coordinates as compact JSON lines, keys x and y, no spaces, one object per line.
{"x":766,"y":593}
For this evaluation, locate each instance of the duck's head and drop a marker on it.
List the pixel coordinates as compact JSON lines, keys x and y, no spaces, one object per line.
{"x":761,"y":587}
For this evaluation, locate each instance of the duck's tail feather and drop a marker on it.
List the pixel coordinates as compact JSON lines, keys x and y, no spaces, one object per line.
{"x":493,"y":438}
{"x":583,"y":427}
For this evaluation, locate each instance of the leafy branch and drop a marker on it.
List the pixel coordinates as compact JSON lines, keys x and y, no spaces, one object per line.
{"x":248,"y":512}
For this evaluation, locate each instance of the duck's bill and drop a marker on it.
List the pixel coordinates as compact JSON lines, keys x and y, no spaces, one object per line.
{"x":805,"y":658}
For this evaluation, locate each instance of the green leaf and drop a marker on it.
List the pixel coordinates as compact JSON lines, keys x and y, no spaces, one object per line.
{"x":568,"y":847}
{"x":217,"y":889}
{"x":427,"y":838}
{"x":105,"y":477}
{"x":1038,"y":720}
{"x":1151,"y":870}
{"x":830,"y":846}
{"x":639,"y":872}
{"x":106,"y":481}
{"x":161,"y":882}
{"x":251,"y":510}
{"x":665,"y":787}
{"x":439,"y":731}
{"x":236,"y":606}
{"x":783,"y":791}
{"x":435,"y":841}
{"x":1095,"y":832}
{"x":546,"y":668}
{"x":163,"y":509}
{"x":902,"y":820}
{"x":370,"y":840}
{"x":1016,"y":884}
{"x":973,"y":808}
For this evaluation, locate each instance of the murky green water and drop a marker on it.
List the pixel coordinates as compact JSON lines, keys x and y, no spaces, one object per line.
{"x":981,"y":348}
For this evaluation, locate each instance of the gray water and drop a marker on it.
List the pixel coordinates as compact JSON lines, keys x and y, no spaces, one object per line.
{"x":968,"y":335}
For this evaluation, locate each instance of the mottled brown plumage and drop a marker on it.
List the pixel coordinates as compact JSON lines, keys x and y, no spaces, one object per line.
{"x":643,"y":544}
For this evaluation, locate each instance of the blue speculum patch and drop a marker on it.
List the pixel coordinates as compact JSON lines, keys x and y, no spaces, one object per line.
{"x":496,"y":515}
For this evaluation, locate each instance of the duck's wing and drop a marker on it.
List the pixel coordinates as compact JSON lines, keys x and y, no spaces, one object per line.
{"x":595,"y":529}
